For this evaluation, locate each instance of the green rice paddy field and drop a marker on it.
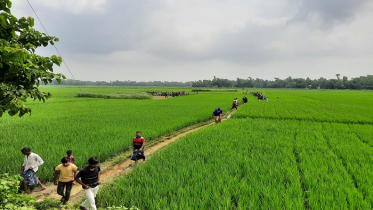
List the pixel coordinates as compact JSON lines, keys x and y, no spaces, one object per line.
{"x":310,"y":150}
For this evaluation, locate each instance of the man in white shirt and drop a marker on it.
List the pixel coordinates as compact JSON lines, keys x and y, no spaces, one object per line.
{"x":30,"y":165}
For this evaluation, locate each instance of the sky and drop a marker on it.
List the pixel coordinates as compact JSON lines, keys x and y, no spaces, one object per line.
{"x":164,"y":40}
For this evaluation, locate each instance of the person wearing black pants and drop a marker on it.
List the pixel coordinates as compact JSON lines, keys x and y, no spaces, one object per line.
{"x":60,"y":190}
{"x":139,"y":144}
{"x":67,"y":172}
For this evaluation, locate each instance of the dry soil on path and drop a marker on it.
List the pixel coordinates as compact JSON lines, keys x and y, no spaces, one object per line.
{"x":159,"y":97}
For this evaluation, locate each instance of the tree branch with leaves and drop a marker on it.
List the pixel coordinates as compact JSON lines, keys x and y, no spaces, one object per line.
{"x":21,"y":70}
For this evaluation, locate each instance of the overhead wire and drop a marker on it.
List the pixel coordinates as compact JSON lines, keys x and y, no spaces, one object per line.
{"x":54,"y":45}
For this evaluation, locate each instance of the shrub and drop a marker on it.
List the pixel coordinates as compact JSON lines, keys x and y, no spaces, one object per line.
{"x":9,"y":197}
{"x":129,"y":95}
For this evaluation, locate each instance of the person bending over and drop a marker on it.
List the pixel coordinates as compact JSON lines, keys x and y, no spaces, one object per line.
{"x":216,"y":115}
{"x":220,"y":113}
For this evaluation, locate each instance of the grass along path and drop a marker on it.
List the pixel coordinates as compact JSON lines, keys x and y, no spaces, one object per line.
{"x":121,"y":164}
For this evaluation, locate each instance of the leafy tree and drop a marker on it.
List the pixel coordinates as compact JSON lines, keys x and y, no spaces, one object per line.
{"x":21,"y":70}
{"x":221,"y":82}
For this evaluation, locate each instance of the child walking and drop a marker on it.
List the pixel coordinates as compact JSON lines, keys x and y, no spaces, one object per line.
{"x":69,"y":154}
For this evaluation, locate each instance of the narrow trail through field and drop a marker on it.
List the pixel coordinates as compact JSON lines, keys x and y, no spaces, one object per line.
{"x":159,"y":97}
{"x":122,"y":164}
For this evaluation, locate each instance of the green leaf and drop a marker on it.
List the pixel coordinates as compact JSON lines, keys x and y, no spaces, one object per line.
{"x":9,"y":206}
{"x":9,"y":4}
{"x":2,"y":20}
{"x":7,"y":10}
{"x":28,"y":75}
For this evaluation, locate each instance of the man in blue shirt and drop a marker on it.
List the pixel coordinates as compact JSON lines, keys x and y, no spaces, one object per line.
{"x":216,"y":115}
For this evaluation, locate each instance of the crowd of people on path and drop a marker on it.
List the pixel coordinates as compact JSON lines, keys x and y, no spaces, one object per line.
{"x":66,"y":174}
{"x":260,"y":96}
{"x":168,"y":94}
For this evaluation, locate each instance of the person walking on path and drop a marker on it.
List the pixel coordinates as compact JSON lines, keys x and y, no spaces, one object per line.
{"x":67,"y":172}
{"x":90,"y":181}
{"x":220,"y":113}
{"x":29,"y":167}
{"x":234,"y":104}
{"x":216,"y":115}
{"x":138,"y":143}
{"x":70,"y":156}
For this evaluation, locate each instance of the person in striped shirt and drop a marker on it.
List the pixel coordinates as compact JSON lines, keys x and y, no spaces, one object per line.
{"x":138,"y":143}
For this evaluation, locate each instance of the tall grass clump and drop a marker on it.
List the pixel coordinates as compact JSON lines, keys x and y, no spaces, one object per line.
{"x":126,"y":95}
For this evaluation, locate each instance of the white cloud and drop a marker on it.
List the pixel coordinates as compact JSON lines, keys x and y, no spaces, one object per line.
{"x":198,"y":39}
{"x":72,"y":6}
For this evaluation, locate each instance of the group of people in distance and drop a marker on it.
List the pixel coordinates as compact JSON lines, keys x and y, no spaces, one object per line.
{"x":68,"y":175}
{"x":167,"y":94}
{"x":217,"y":114}
{"x":260,"y":96}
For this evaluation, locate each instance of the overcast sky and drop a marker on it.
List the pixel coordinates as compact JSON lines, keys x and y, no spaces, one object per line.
{"x":164,"y":40}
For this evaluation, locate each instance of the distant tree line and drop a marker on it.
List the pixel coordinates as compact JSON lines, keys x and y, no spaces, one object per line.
{"x":123,"y":83}
{"x":363,"y":82}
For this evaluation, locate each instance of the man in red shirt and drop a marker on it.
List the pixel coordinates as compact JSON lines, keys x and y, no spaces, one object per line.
{"x":138,"y":144}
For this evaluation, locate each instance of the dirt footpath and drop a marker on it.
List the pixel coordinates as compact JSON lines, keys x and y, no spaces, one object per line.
{"x":159,"y":97}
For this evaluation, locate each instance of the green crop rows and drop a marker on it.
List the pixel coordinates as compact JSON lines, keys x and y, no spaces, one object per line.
{"x":313,"y":105}
{"x":310,"y":150}
{"x":252,"y":164}
{"x":262,"y":160}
